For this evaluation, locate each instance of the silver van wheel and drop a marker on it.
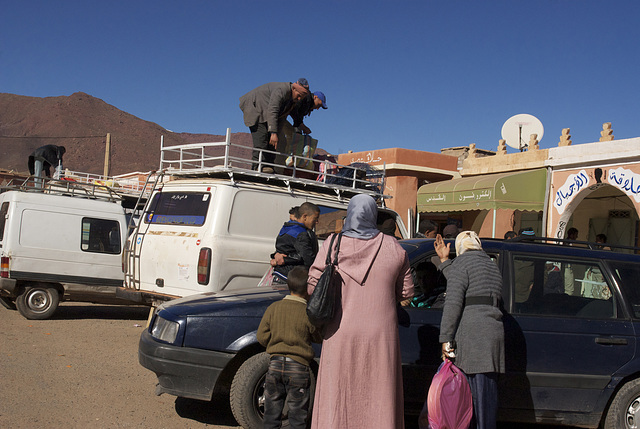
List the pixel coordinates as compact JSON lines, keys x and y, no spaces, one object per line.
{"x":624,"y":411}
{"x":38,"y":302}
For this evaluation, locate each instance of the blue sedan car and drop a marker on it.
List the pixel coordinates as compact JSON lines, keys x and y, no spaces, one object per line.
{"x":571,"y":318}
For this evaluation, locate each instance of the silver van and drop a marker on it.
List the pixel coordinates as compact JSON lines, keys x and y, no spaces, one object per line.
{"x":211,"y":222}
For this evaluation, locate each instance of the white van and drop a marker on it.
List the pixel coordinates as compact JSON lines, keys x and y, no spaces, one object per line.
{"x":56,"y":238}
{"x":212,"y":228}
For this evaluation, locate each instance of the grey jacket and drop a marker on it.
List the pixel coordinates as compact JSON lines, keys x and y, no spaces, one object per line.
{"x":477,"y":329}
{"x":267,"y":103}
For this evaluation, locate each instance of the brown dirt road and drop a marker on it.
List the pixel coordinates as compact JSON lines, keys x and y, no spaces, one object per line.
{"x":80,"y":369}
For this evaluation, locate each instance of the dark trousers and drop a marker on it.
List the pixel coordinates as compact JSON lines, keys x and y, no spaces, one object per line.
{"x":484,"y":390}
{"x":286,"y":380}
{"x":260,"y":136}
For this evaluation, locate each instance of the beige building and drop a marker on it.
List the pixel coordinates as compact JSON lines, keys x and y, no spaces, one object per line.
{"x":594,"y":187}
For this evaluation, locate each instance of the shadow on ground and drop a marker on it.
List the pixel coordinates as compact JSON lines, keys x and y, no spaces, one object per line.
{"x":75,"y":311}
{"x":214,"y":412}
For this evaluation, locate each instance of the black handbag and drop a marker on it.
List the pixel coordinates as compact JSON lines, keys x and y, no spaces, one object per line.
{"x":323,"y":301}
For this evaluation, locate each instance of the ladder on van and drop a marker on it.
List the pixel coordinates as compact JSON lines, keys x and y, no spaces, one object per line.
{"x":136,"y":231}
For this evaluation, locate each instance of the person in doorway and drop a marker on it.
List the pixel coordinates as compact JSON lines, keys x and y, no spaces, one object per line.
{"x":296,"y":243}
{"x":287,"y":334}
{"x":360,"y":376}
{"x":510,"y":235}
{"x":265,"y":109}
{"x":471,"y":324}
{"x":601,"y":239}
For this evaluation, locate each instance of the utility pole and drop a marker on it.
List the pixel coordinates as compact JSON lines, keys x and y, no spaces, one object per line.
{"x":107,"y":156}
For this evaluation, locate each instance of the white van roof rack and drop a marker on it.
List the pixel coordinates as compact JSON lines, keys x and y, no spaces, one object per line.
{"x":217,"y":159}
{"x":62,"y":187}
{"x":129,"y":184}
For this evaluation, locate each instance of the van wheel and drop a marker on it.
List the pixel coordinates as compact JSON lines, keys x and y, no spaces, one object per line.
{"x":38,"y":302}
{"x":624,"y":412}
{"x":247,"y":392}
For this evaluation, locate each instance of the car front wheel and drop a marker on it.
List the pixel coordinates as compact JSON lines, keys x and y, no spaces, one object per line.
{"x":38,"y":302}
{"x":247,"y":391}
{"x":624,"y":412}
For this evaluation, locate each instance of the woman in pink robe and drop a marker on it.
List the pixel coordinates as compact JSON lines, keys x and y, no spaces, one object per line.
{"x":360,"y":377}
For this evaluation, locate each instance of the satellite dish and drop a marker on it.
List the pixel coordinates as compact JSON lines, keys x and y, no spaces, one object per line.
{"x":517,"y":130}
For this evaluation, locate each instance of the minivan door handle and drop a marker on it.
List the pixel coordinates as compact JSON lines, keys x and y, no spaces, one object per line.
{"x":611,"y":341}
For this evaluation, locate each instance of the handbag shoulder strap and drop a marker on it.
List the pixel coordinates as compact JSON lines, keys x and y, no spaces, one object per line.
{"x":335,"y":253}
{"x":328,"y":260}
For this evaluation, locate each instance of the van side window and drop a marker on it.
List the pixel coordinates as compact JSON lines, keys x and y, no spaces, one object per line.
{"x":560,"y":287}
{"x":178,"y":208}
{"x":100,"y":235}
{"x":4,"y":209}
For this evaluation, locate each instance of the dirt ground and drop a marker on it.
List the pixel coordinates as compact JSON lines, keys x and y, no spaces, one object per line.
{"x":80,"y":369}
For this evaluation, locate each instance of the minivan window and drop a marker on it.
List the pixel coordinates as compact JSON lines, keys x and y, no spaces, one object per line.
{"x":100,"y":235}
{"x":561,"y":287}
{"x":178,"y":208}
{"x":4,"y":209}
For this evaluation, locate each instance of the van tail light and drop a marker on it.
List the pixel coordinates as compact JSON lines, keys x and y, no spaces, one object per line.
{"x":4,"y":267}
{"x":204,"y":265}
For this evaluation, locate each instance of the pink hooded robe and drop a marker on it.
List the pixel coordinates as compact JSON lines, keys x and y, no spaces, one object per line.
{"x":360,"y":377}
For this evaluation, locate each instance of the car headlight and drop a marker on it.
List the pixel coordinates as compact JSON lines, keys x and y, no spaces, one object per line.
{"x":165,"y":330}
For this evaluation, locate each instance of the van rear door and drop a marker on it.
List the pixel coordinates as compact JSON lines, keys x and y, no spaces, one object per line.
{"x":169,"y":237}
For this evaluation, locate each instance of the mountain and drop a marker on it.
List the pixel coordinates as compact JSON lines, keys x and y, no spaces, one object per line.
{"x":80,"y":123}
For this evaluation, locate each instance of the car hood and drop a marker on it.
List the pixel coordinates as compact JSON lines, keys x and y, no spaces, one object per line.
{"x":239,"y":303}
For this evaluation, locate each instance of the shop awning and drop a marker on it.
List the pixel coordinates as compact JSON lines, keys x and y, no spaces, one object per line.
{"x":522,"y":190}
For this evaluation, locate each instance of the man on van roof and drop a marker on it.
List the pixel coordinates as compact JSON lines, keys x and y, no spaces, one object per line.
{"x":265,"y":109}
{"x":296,"y":243}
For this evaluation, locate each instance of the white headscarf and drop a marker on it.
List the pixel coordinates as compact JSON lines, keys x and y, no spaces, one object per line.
{"x":362,"y":216}
{"x":467,"y":240}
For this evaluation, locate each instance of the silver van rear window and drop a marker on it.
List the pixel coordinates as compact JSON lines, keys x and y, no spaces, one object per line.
{"x":178,"y":208}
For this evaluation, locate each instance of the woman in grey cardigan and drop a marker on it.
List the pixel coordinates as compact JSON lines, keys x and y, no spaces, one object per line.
{"x":471,"y":331}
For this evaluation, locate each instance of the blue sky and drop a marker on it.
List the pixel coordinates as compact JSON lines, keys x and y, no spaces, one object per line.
{"x":415,"y":74}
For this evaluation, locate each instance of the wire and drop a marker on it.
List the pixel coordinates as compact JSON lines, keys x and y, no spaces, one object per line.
{"x":50,"y":137}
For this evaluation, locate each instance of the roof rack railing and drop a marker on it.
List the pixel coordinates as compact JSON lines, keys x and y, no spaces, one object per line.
{"x":62,"y":187}
{"x":132,"y":185}
{"x":196,"y":159}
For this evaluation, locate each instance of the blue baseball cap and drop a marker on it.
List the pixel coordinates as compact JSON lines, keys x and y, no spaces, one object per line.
{"x":304,"y":82}
{"x":322,"y":98}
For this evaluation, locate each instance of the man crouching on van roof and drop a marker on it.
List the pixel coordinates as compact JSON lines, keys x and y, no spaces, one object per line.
{"x":265,"y":109}
{"x":296,"y":243}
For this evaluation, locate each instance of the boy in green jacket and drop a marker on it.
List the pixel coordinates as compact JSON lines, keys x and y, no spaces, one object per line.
{"x":287,"y":334}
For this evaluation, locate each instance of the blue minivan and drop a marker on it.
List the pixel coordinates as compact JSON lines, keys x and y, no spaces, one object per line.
{"x":571,"y":318}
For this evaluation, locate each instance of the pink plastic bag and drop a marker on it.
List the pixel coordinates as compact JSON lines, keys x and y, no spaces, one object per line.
{"x":449,"y":404}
